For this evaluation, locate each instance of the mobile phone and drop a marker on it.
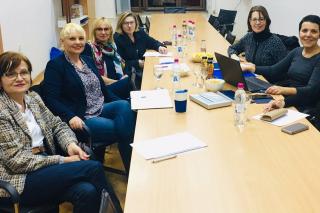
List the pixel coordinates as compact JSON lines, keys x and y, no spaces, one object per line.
{"x":261,"y":96}
{"x":295,"y":128}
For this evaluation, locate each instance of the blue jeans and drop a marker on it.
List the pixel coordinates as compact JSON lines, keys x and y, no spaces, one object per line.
{"x":79,"y":182}
{"x":115,"y":124}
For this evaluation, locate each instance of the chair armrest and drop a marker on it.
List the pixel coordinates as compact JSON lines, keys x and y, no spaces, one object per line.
{"x":14,"y":195}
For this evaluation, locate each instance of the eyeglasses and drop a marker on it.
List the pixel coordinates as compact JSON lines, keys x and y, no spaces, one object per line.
{"x":100,"y":29}
{"x":129,"y":23}
{"x":13,"y":75}
{"x":255,"y":20}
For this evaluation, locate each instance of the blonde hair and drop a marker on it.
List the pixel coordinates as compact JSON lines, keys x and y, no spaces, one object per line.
{"x":70,"y":28}
{"x":121,"y":19}
{"x":96,"y":25}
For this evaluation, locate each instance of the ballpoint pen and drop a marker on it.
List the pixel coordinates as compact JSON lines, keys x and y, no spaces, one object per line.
{"x":157,"y":160}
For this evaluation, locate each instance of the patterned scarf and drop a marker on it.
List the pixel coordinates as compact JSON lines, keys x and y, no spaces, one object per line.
{"x":110,"y":50}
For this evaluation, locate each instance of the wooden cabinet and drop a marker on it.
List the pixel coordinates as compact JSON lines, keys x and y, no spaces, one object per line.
{"x":1,"y":45}
{"x":88,"y":13}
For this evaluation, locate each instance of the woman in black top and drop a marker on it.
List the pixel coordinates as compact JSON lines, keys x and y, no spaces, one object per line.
{"x":301,"y":84}
{"x":260,"y":46}
{"x":132,"y":43}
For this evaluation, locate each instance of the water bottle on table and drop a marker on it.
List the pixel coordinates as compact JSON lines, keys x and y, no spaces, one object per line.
{"x":240,"y":107}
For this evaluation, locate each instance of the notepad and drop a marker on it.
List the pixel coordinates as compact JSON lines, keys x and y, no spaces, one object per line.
{"x":150,"y":99}
{"x":157,"y":54}
{"x":168,"y":145}
{"x":211,"y":100}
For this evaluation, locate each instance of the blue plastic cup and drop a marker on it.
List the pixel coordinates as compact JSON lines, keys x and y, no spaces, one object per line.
{"x":180,"y":100}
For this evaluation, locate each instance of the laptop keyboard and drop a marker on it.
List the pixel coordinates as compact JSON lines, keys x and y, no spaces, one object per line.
{"x":255,"y":84}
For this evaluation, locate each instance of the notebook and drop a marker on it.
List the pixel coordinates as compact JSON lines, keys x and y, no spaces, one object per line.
{"x":211,"y":100}
{"x":232,"y":74}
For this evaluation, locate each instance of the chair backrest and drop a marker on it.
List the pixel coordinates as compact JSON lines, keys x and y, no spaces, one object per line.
{"x":290,"y":42}
{"x":213,"y":20}
{"x":140,"y":23}
{"x":223,"y":30}
{"x":230,"y":38}
{"x":227,"y":17}
{"x":147,"y":24}
{"x":174,"y":10}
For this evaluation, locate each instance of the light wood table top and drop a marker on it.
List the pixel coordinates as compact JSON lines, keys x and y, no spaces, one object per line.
{"x":258,"y":170}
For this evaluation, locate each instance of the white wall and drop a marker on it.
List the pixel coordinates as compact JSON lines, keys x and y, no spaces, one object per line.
{"x":286,"y":14}
{"x":106,"y":8}
{"x":29,"y":27}
{"x":242,"y":6}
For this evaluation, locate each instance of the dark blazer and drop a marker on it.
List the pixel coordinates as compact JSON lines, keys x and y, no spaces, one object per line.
{"x":63,"y":89}
{"x":16,"y":158}
{"x":132,"y":52}
{"x":111,"y":71}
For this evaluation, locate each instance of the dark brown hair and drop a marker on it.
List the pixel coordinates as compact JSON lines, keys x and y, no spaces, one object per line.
{"x":11,"y":60}
{"x":262,"y":11}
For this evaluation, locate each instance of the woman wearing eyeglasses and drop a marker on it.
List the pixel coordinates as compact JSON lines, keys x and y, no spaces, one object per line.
{"x":132,"y":43}
{"x":109,"y":63}
{"x":29,"y":137}
{"x":301,"y":68}
{"x":260,"y":46}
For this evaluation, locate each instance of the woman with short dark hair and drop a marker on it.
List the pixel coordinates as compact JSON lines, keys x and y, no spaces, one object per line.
{"x":29,"y":137}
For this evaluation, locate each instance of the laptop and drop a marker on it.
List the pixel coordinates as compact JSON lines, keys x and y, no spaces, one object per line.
{"x":232,"y":74}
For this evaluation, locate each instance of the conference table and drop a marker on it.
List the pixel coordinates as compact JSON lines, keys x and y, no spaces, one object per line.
{"x":260,"y":169}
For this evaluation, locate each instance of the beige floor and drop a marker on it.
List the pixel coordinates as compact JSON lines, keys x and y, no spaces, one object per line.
{"x":119,"y":182}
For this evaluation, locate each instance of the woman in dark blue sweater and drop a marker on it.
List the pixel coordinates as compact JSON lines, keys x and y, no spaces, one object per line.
{"x":301,"y":83}
{"x":260,"y":46}
{"x":132,"y":43}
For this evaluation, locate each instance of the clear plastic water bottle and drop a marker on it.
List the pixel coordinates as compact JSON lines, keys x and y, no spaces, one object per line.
{"x":180,"y":46}
{"x":240,"y":107}
{"x":193,"y":31}
{"x":174,"y":35}
{"x":176,"y":75}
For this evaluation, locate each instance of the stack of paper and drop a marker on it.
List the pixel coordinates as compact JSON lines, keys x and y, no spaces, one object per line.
{"x":150,"y":99}
{"x":156,"y":54}
{"x":167,"y":145}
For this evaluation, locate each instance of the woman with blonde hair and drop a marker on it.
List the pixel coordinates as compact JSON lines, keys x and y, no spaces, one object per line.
{"x":75,"y":91}
{"x":132,"y":43}
{"x":103,"y":50}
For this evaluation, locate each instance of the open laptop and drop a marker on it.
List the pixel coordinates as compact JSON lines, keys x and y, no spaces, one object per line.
{"x":232,"y":74}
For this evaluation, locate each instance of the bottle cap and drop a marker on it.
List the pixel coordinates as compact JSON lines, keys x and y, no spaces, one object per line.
{"x":176,"y":60}
{"x":240,"y":85}
{"x":174,"y":26}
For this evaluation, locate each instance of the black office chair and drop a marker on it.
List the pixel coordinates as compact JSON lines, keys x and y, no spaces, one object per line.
{"x":174,"y":10}
{"x":17,"y":208}
{"x":290,"y":42}
{"x":223,"y":30}
{"x":230,"y":38}
{"x":227,"y":18}
{"x":213,"y":20}
{"x":142,"y":26}
{"x":147,"y":24}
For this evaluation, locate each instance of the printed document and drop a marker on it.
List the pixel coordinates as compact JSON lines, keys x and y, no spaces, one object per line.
{"x":168,"y":145}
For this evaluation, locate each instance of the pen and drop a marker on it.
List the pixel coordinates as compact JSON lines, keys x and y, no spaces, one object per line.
{"x":163,"y":158}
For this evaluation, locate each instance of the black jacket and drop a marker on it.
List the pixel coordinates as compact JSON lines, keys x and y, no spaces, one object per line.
{"x":132,"y":52}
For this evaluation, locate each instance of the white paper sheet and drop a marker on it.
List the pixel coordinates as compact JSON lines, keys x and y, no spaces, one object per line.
{"x":150,"y":99}
{"x":167,"y":145}
{"x":157,"y":54}
{"x":166,"y":60}
{"x":289,"y":118}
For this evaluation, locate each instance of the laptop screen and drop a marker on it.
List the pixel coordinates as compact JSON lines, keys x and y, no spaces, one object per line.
{"x":231,"y":70}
